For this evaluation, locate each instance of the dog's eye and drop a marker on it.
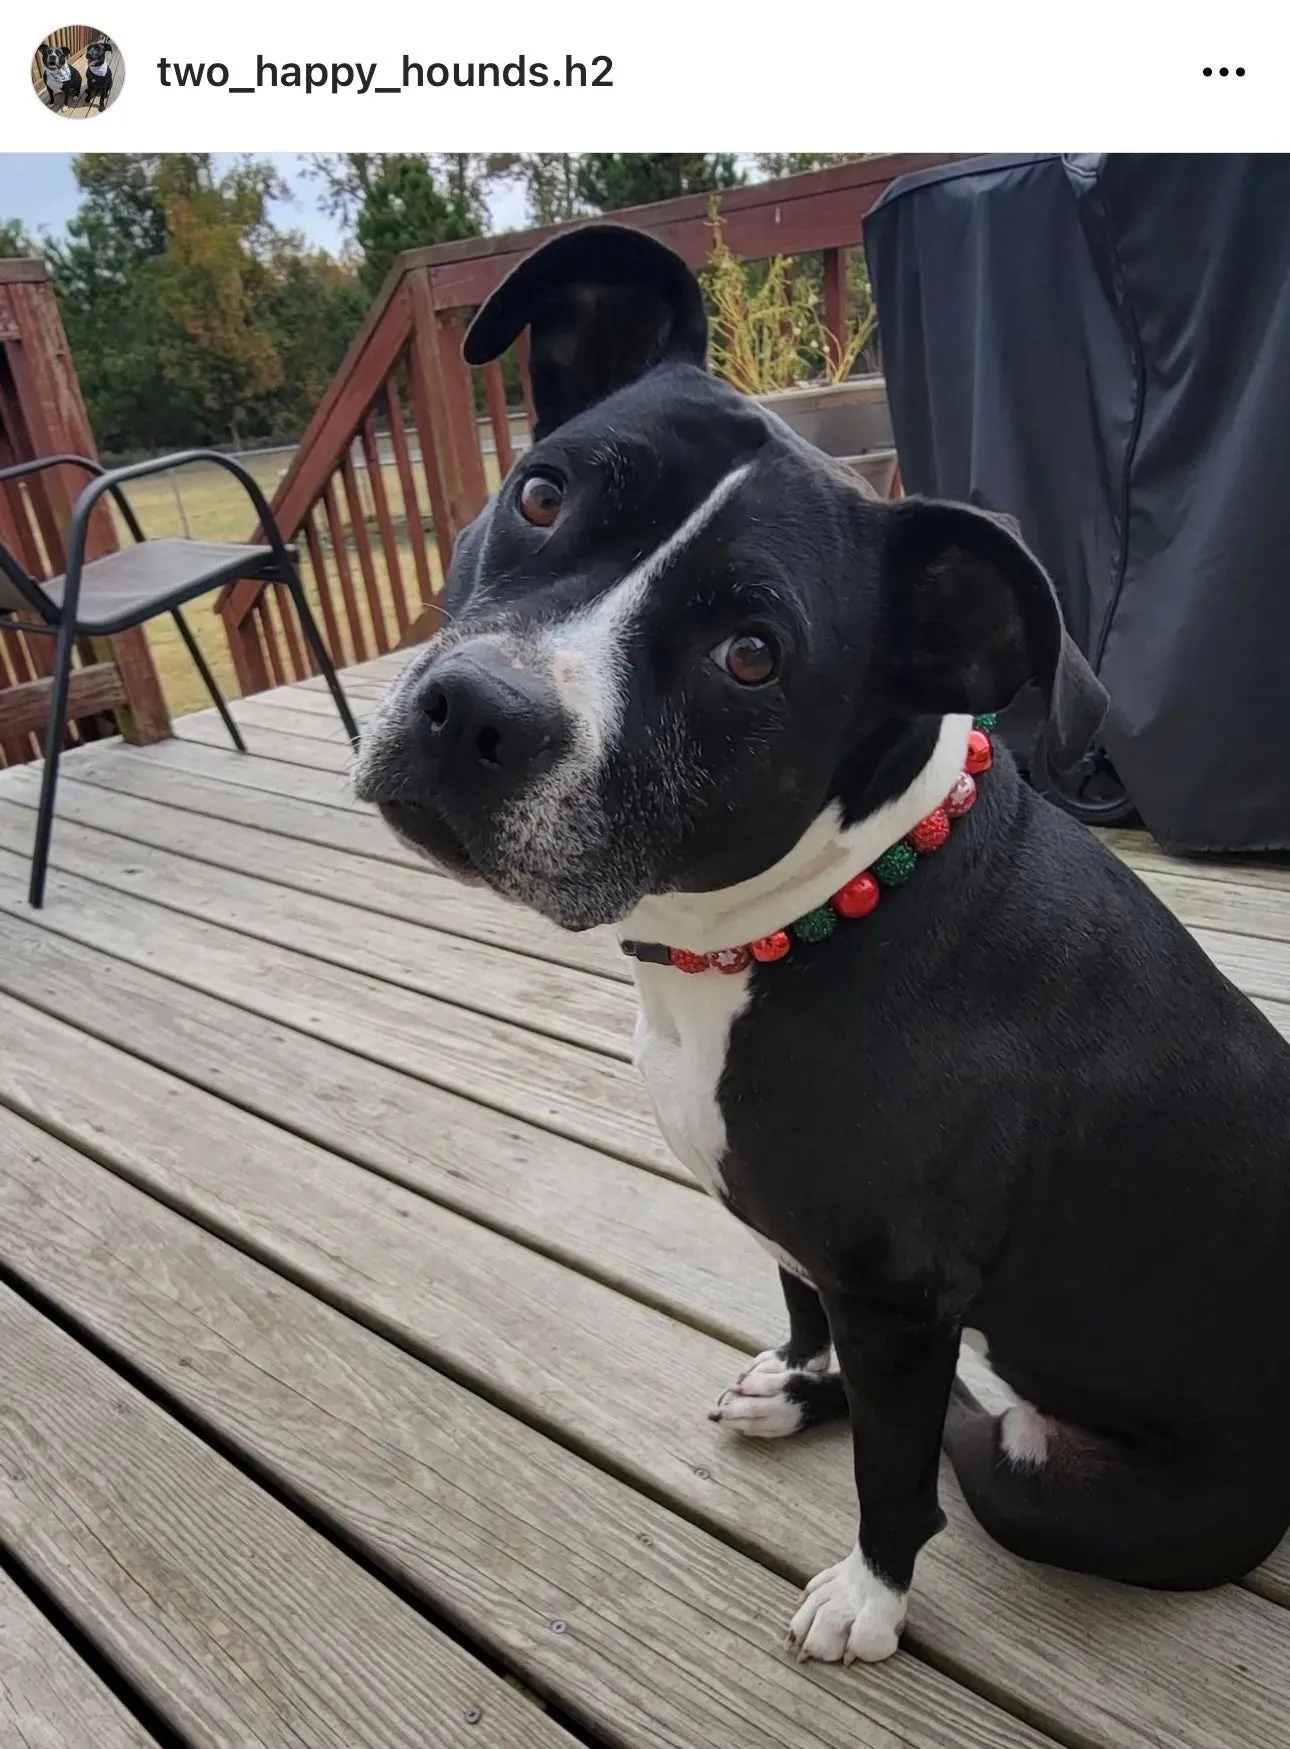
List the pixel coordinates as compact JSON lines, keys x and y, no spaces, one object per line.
{"x":540,"y":500}
{"x":748,"y":658}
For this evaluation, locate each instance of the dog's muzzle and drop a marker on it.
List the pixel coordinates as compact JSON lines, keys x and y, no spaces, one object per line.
{"x":468,"y":736}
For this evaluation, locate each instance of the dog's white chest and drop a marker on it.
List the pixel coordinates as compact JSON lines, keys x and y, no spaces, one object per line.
{"x":682,"y":1032}
{"x":682,"y":1035}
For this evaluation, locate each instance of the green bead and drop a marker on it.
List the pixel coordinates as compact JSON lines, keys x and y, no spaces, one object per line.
{"x":894,"y":867}
{"x":986,"y":722}
{"x":816,"y":925}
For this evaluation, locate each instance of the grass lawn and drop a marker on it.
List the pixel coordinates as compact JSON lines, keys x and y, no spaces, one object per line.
{"x":207,"y":503}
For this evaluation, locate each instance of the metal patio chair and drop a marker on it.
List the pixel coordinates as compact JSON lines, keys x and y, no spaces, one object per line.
{"x":100,"y":597}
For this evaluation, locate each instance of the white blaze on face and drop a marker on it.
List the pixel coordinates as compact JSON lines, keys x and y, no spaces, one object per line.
{"x":586,"y":655}
{"x":551,"y":824}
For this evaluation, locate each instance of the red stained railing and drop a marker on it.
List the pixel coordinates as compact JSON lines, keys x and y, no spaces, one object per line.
{"x":41,"y":413}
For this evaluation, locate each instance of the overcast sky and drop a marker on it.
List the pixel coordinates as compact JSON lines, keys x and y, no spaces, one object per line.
{"x":38,"y":188}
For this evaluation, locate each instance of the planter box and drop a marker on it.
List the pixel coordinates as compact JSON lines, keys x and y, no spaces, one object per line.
{"x":849,"y":420}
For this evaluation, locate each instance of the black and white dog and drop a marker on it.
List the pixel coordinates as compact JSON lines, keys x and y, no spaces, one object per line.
{"x":62,"y":79}
{"x":695,"y":682}
{"x":98,"y":73}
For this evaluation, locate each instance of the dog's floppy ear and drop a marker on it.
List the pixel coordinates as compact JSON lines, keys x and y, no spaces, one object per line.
{"x":603,"y":304}
{"x":975,"y":619}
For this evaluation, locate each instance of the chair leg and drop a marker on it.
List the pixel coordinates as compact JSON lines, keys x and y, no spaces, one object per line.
{"x":211,"y":684}
{"x":53,"y":751}
{"x":319,"y":651}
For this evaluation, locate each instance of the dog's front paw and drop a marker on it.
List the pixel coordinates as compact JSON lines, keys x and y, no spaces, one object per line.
{"x":847,"y":1613}
{"x":771,"y":1398}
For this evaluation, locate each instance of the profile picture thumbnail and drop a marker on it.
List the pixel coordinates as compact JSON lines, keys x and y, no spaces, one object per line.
{"x":77,"y":71}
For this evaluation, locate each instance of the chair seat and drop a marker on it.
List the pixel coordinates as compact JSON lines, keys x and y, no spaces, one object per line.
{"x":124,"y":589}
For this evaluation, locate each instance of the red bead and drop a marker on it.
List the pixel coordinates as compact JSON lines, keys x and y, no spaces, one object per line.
{"x":858,"y":897}
{"x":771,"y":947}
{"x":685,"y":961}
{"x":980,"y":754}
{"x":730,"y":959}
{"x":962,"y":797}
{"x":931,"y":833}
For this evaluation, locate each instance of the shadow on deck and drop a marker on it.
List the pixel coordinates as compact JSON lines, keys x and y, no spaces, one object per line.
{"x":358,"y":1330}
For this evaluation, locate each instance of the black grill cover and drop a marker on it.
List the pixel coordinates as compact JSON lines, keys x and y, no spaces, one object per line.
{"x":1100,"y":345}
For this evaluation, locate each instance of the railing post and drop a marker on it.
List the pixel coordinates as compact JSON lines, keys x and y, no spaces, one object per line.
{"x":443,"y":405}
{"x":246,"y":647}
{"x":145,"y":716}
{"x":436,"y":345}
{"x":46,"y":415}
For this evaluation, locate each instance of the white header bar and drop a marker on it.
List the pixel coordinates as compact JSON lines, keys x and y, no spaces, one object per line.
{"x":994,"y":75}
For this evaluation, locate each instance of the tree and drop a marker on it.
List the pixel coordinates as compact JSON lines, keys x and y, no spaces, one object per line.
{"x":469,"y":177}
{"x":348,"y":179}
{"x":191,"y":317}
{"x":609,"y":181}
{"x":402,"y":208}
{"x":313,"y":308}
{"x":793,"y":163}
{"x":550,"y":180}
{"x":15,"y":244}
{"x":121,"y":189}
{"x":105,"y":276}
{"x":214,"y":286}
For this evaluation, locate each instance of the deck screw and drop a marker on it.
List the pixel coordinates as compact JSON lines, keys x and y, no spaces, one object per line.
{"x":645,"y":1539}
{"x":559,"y":1627}
{"x":704,"y":1475}
{"x":473,"y":1715}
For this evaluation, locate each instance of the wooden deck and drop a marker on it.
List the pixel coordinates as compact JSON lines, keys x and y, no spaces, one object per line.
{"x":357,"y":1331}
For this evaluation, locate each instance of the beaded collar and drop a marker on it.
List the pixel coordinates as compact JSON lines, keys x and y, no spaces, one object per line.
{"x":860,"y":896}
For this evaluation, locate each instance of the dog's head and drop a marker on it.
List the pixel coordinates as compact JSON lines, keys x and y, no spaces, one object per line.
{"x":53,"y":58}
{"x":96,"y":53}
{"x":679,"y":633}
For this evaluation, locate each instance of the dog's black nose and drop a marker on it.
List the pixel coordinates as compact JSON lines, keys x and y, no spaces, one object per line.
{"x":488,"y":727}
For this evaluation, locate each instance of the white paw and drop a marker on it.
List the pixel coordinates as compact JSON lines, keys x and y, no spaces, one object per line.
{"x":759,"y":1404}
{"x":848,"y":1613}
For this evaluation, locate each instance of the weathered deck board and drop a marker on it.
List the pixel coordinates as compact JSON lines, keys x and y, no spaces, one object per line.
{"x":566,"y":1354}
{"x":1236,"y":907}
{"x":1141,"y":850}
{"x":271,"y":743}
{"x":315,"y":806}
{"x":253,"y":771}
{"x":49,"y":1698}
{"x":577,"y":1007}
{"x":497,"y":1528}
{"x":315,"y":703}
{"x":591,"y":1099}
{"x":664,"y":1242}
{"x":1259,"y":967}
{"x":258,"y":714}
{"x":305,"y":863}
{"x":235,"y":1621}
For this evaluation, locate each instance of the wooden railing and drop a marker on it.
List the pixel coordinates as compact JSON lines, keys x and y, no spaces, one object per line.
{"x":41,"y":413}
{"x":397,"y":460}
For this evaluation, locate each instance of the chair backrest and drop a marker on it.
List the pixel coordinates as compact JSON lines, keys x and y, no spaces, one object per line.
{"x":19,"y":593}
